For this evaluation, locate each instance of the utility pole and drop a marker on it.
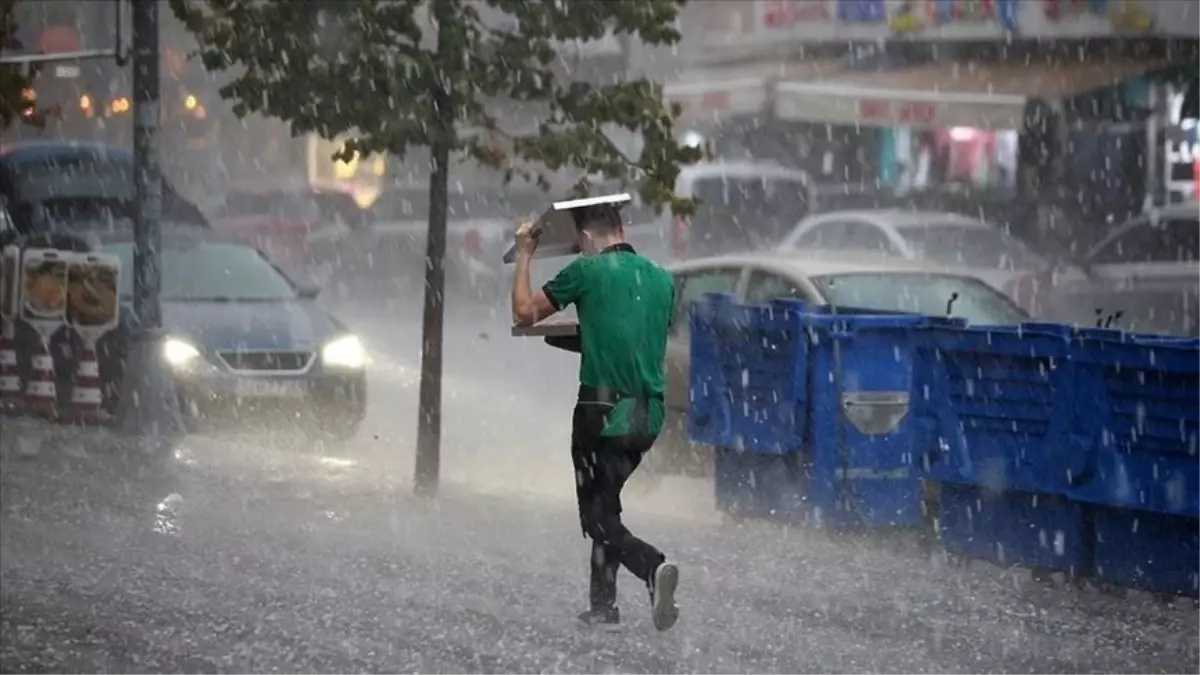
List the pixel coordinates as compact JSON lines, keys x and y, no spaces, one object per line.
{"x":149,"y":404}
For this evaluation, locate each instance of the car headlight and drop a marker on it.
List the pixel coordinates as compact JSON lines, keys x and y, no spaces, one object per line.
{"x":179,"y":354}
{"x":345,"y":352}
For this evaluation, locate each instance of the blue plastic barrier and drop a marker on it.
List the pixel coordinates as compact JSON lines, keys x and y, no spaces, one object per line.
{"x":1140,"y":414}
{"x":1041,"y":531}
{"x":1149,"y":551}
{"x":860,"y":456}
{"x":834,"y":387}
{"x":1055,"y":448}
{"x":748,"y":381}
{"x":1002,"y":408}
{"x":709,"y":415}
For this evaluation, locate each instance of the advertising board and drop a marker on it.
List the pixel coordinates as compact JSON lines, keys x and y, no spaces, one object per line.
{"x":739,"y":28}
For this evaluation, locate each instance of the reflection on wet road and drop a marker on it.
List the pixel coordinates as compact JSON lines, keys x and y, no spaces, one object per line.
{"x":264,"y":553}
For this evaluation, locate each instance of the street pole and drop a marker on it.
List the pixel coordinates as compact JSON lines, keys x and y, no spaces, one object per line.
{"x":149,"y":405}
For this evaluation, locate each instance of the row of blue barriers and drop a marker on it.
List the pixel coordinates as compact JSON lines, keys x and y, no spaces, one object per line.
{"x":1062,"y":449}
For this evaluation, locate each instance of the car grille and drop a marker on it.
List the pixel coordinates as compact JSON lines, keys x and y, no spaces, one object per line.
{"x":266,"y":360}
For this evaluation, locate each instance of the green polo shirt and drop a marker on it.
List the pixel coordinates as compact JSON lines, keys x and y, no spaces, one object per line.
{"x":624,"y":303}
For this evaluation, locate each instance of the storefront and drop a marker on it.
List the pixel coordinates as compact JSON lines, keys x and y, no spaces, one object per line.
{"x":1181,"y":153}
{"x":733,"y":112}
{"x":912,"y":127}
{"x":954,"y":123}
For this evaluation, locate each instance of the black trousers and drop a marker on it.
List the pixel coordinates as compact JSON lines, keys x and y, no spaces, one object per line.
{"x":602,"y":465}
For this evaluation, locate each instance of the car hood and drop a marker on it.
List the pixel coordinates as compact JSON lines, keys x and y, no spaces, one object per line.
{"x":299,"y":325}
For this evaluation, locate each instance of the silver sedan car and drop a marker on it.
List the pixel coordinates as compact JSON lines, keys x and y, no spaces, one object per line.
{"x":946,"y":239}
{"x":760,"y":277}
{"x":1143,"y":276}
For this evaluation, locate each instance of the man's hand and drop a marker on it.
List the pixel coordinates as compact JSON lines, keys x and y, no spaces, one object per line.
{"x":527,"y":237}
{"x":528,"y":306}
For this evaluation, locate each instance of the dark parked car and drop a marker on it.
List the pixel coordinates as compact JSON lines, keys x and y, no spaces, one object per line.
{"x":71,"y":185}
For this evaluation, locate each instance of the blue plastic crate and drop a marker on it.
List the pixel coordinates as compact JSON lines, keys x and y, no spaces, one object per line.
{"x":708,"y":419}
{"x":860,"y":455}
{"x":1140,"y":399}
{"x":748,"y":376}
{"x":1046,"y":532}
{"x":1149,"y":551}
{"x":1001,"y":408}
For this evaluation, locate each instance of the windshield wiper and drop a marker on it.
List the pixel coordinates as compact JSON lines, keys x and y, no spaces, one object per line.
{"x":950,"y":303}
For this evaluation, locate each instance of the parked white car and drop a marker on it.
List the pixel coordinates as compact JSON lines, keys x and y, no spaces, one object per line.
{"x":944,"y":239}
{"x":1144,"y":276}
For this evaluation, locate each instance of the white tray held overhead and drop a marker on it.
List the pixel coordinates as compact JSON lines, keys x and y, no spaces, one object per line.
{"x":556,"y":226}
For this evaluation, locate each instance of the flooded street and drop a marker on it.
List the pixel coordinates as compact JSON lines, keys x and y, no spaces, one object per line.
{"x":268,"y":553}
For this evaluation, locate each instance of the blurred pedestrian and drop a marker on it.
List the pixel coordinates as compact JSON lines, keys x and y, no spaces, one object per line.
{"x":624,"y":303}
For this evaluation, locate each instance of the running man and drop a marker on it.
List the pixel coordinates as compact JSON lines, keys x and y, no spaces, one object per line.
{"x":624,"y":303}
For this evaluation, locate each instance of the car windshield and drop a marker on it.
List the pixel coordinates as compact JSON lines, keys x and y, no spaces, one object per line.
{"x":210,"y":271}
{"x":920,"y":293}
{"x":970,"y":246}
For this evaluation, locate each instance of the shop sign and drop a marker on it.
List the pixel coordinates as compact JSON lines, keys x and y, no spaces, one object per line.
{"x":1182,"y":151}
{"x":1122,"y":15}
{"x":1129,"y":15}
{"x":776,"y":14}
{"x":58,"y":40}
{"x":915,"y":15}
{"x":862,"y":11}
{"x":777,"y":21}
{"x":899,"y":112}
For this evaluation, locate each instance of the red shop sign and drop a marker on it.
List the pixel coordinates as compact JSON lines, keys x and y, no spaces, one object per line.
{"x":904,"y":112}
{"x":715,"y":100}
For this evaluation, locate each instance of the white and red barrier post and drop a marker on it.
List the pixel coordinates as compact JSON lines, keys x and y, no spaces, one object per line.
{"x":43,"y":306}
{"x":93,"y":309}
{"x":12,"y":396}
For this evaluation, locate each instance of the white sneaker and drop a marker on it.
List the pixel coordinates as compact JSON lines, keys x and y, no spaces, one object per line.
{"x":662,"y":599}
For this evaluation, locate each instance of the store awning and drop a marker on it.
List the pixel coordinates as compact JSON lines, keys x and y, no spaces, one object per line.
{"x":705,"y":96}
{"x":991,"y":96}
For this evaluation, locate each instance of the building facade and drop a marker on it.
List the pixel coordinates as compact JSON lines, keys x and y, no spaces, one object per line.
{"x":1006,"y":99}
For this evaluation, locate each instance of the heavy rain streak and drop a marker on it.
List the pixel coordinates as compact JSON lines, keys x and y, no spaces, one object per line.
{"x":912,"y":287}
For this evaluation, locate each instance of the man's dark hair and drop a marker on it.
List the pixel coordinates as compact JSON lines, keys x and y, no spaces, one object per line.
{"x":598,"y":219}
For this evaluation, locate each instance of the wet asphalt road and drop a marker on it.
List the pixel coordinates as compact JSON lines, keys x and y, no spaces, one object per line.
{"x":269,"y":553}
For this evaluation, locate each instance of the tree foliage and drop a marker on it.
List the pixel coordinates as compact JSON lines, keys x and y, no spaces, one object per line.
{"x":15,"y":81}
{"x":385,"y":73}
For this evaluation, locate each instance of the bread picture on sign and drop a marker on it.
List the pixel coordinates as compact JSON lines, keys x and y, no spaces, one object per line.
{"x":45,"y":288}
{"x":91,"y":294}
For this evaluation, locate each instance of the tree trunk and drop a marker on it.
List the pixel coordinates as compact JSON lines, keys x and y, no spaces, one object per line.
{"x":429,"y":421}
